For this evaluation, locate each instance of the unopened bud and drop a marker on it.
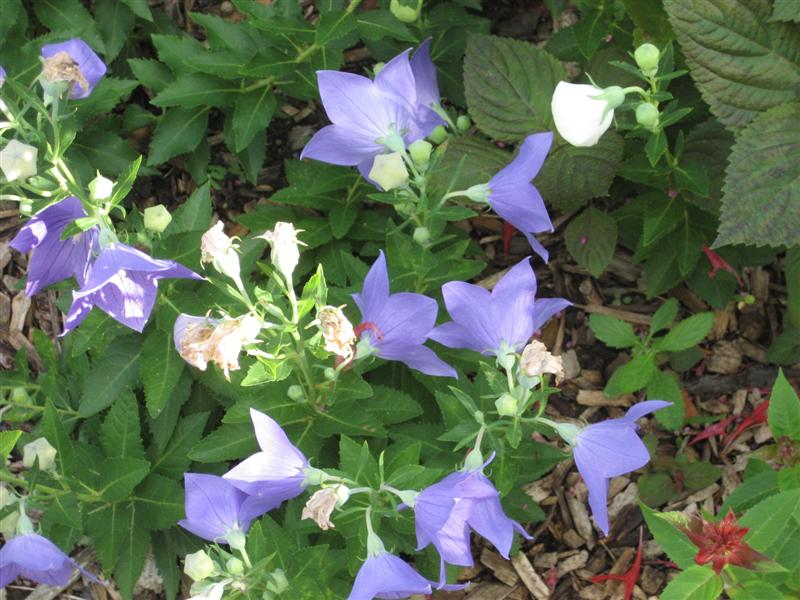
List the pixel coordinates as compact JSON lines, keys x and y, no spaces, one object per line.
{"x":647,"y":116}
{"x":198,"y":566}
{"x":389,"y":171}
{"x":420,"y":152}
{"x":295,"y":392}
{"x":39,"y":449}
{"x":422,"y":235}
{"x":101,"y":188}
{"x":329,"y":373}
{"x":277,"y":582}
{"x":647,"y":56}
{"x":236,"y":539}
{"x":234,"y":566}
{"x":18,"y":160}
{"x":438,"y":135}
{"x":506,"y":405}
{"x":156,"y":218}
{"x":404,"y":13}
{"x":463,"y":123}
{"x":378,"y":68}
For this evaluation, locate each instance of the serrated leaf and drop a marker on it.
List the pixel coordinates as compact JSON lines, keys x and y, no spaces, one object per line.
{"x":742,"y":64}
{"x":389,"y":406}
{"x":179,"y":130}
{"x":174,"y":459}
{"x":468,"y":160}
{"x":674,"y":542}
{"x":591,"y":239}
{"x":379,"y":24}
{"x":784,"y":409}
{"x":194,"y":214}
{"x":613,"y":332}
{"x":664,"y":386}
{"x":761,"y":198}
{"x":785,"y":10}
{"x":631,"y":376}
{"x":115,"y":370}
{"x":56,"y":434}
{"x":664,"y":316}
{"x":8,"y":439}
{"x":131,"y":560}
{"x":655,"y":489}
{"x":109,"y":526}
{"x":695,"y":583}
{"x":228,"y":442}
{"x":571,"y":174}
{"x":197,"y":89}
{"x":120,"y":434}
{"x":65,"y":511}
{"x":769,"y":527}
{"x":687,"y":333}
{"x":251,"y":114}
{"x":333,"y":26}
{"x":159,"y":502}
{"x":151,"y":73}
{"x":509,"y":85}
{"x":707,"y":147}
{"x":161,"y":368}
{"x":68,"y":15}
{"x":699,"y":475}
{"x":118,"y":477}
{"x":115,"y":22}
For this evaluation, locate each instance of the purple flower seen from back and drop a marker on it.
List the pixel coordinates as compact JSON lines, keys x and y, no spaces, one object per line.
{"x":367,"y":114}
{"x":395,"y":326}
{"x":609,"y":449}
{"x":277,"y":473}
{"x":513,"y":197}
{"x":215,"y":508}
{"x":35,"y":557}
{"x":76,"y":62}
{"x":122,"y":283}
{"x":54,"y":259}
{"x":445,"y":512}
{"x":487,"y":321}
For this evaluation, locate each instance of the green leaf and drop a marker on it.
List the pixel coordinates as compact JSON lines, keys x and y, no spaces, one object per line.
{"x":151,"y":73}
{"x":119,"y":476}
{"x":571,"y":174}
{"x":120,"y":434}
{"x":56,"y":434}
{"x":64,"y":510}
{"x":115,"y":370}
{"x":379,"y":24}
{"x":194,"y":214}
{"x":109,"y":526}
{"x":68,"y":15}
{"x":197,"y":89}
{"x":613,"y":332}
{"x":632,"y":376}
{"x":664,"y":316}
{"x":333,"y":26}
{"x":509,"y":85}
{"x":660,"y":217}
{"x":759,"y":590}
{"x":698,"y":475}
{"x":228,"y":442}
{"x":159,"y":502}
{"x":695,"y":583}
{"x":753,"y":490}
{"x":707,"y":147}
{"x":116,"y":21}
{"x":655,"y":489}
{"x":760,"y":197}
{"x":687,"y":333}
{"x":591,"y":239}
{"x":389,"y":406}
{"x":356,"y":460}
{"x":131,"y":559}
{"x":674,"y":542}
{"x":747,"y":66}
{"x":468,"y":160}
{"x":179,"y":130}
{"x":140,"y":8}
{"x":251,"y":114}
{"x":161,"y":368}
{"x":342,"y":218}
{"x":785,"y":10}
{"x":8,"y":439}
{"x":784,"y":409}
{"x":174,"y":459}
{"x":769,"y":528}
{"x":664,"y":386}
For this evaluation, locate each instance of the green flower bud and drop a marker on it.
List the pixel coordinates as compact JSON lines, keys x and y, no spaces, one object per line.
{"x":474,"y":460}
{"x":295,"y":392}
{"x":506,"y":405}
{"x":463,"y":123}
{"x":156,"y":218}
{"x":647,"y":116}
{"x":438,"y":135}
{"x":236,"y":539}
{"x":646,"y":57}
{"x":422,"y":235}
{"x":613,"y":95}
{"x":198,"y":566}
{"x":234,"y":566}
{"x":278,"y":583}
{"x":421,"y":152}
{"x":401,"y":12}
{"x":378,"y":68}
{"x":330,"y":373}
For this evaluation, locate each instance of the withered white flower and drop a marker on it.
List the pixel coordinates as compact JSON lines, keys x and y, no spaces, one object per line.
{"x":285,"y":251}
{"x":321,"y":504}
{"x":337,"y":331}
{"x":219,"y":249}
{"x":536,"y":361}
{"x":200,"y":340}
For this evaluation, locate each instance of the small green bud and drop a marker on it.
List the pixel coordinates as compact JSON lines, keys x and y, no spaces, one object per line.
{"x":647,"y":116}
{"x":234,"y":566}
{"x":403,"y":13}
{"x":330,"y":373}
{"x":478,"y":416}
{"x":421,"y":152}
{"x":438,"y":135}
{"x":101,"y":188}
{"x":463,"y":123}
{"x":20,"y":396}
{"x":156,"y":218}
{"x":278,"y":583}
{"x":474,"y":460}
{"x":295,"y":392}
{"x":506,"y":405}
{"x":613,"y":95}
{"x":236,"y":539}
{"x":378,"y":68}
{"x":647,"y":56}
{"x":198,"y":566}
{"x":422,"y":235}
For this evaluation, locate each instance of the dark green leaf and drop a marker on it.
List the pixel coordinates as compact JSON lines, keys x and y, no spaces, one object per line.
{"x":251,"y":114}
{"x":687,"y":333}
{"x":612,"y":331}
{"x":179,"y":130}
{"x":120,"y":434}
{"x":591,"y":238}
{"x":784,"y":409}
{"x":161,"y":368}
{"x":115,"y":370}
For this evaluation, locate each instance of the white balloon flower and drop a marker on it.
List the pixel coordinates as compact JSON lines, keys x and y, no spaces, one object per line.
{"x":583,"y":112}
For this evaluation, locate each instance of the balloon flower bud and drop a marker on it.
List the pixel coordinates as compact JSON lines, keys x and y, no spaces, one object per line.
{"x":156,"y":218}
{"x":506,"y":405}
{"x":583,"y":113}
{"x":420,"y":152}
{"x":377,"y":68}
{"x":403,"y":12}
{"x":101,"y":187}
{"x":389,"y":171}
{"x":199,"y":566}
{"x":18,"y":160}
{"x":647,"y":56}
{"x":463,"y":123}
{"x":41,"y":450}
{"x":647,"y":116}
{"x":438,"y":135}
{"x":234,"y":566}
{"x":295,"y":392}
{"x":422,"y":235}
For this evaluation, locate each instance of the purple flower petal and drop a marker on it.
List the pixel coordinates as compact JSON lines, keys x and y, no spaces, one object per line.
{"x":37,"y":558}
{"x":425,"y":75}
{"x":91,"y":66}
{"x":387,"y":576}
{"x":337,"y":145}
{"x":418,"y":357}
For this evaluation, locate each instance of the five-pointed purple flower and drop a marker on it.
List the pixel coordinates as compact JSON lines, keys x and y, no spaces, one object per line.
{"x":54,"y":259}
{"x":35,"y":557}
{"x":609,"y":449}
{"x":395,"y":326}
{"x":90,"y":68}
{"x":487,"y":322}
{"x":122,"y":283}
{"x":277,"y":473}
{"x":513,"y":197}
{"x":445,"y":512}
{"x":215,"y":508}
{"x":369,"y":117}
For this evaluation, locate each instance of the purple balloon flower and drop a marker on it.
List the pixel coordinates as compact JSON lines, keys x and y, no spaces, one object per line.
{"x":122,"y":283}
{"x":2,"y":76}
{"x":395,"y":326}
{"x":277,"y":473}
{"x":445,"y":512}
{"x":427,"y":87}
{"x":513,"y":197}
{"x":35,"y":557}
{"x":368,"y":117}
{"x":215,"y":508}
{"x":487,"y":321}
{"x":76,"y":62}
{"x":54,"y":259}
{"x":609,"y":449}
